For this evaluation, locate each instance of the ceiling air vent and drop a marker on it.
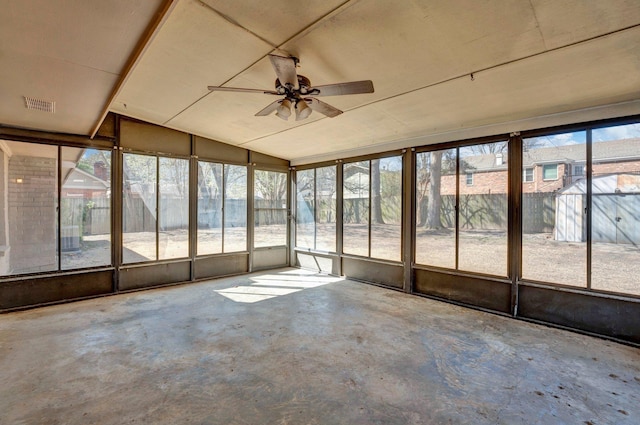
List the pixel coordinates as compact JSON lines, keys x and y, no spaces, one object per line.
{"x":40,"y":105}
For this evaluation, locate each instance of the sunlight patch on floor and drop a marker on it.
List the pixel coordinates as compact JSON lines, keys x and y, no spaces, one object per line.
{"x":269,"y":286}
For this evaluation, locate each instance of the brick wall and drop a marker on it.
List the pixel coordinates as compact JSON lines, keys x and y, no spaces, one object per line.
{"x":617,"y":167}
{"x":484,"y":182}
{"x":32,"y":213}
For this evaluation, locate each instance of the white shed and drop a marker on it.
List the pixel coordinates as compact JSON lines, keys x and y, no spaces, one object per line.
{"x":616,"y":207}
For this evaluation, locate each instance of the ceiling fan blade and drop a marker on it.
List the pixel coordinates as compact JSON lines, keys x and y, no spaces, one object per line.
{"x":354,"y":87}
{"x":323,"y":108}
{"x":269,"y":109}
{"x":285,"y":69}
{"x":241,"y":90}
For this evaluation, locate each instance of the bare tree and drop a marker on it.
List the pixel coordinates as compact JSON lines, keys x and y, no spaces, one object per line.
{"x":435,"y":200}
{"x":376,"y":199}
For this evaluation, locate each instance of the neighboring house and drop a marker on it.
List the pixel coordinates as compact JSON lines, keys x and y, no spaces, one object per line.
{"x":80,"y":184}
{"x":554,"y":189}
{"x":545,"y":170}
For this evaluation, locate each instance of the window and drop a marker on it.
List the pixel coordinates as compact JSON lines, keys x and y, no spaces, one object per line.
{"x":50,"y":227}
{"x":479,"y":243}
{"x":270,"y":204}
{"x":578,"y":170}
{"x":222,"y":208}
{"x":210,"y":194}
{"x":305,"y":209}
{"x":435,"y":208}
{"x":30,"y":200}
{"x":235,"y":208}
{"x":553,"y":240}
{"x":173,"y":208}
{"x":372,"y":208}
{"x":482,"y":212}
{"x":527,"y":175}
{"x":386,"y":208}
{"x":155,"y":208}
{"x":85,"y":208}
{"x":615,"y":209}
{"x":355,"y":208}
{"x":316,"y":208}
{"x":550,"y":172}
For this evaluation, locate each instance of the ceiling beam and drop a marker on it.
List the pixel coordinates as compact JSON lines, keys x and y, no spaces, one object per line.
{"x":152,"y":30}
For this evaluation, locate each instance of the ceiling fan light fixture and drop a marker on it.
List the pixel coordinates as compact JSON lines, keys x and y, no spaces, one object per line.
{"x":302,"y":110}
{"x":284,"y":110}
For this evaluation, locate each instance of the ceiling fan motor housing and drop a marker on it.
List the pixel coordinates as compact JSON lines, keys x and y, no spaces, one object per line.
{"x":304,"y":84}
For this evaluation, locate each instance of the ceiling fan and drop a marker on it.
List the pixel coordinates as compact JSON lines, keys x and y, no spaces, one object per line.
{"x":298,"y":92}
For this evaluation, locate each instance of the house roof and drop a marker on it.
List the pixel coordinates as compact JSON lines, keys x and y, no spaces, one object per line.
{"x":615,"y":150}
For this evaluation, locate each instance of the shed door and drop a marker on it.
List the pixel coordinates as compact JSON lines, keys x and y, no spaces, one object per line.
{"x":627,"y":217}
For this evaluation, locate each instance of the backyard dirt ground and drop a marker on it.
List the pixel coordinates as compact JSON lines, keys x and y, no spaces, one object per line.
{"x":615,"y":267}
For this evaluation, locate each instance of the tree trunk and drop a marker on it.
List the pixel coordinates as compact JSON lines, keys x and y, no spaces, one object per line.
{"x":435,"y":201}
{"x":376,"y":199}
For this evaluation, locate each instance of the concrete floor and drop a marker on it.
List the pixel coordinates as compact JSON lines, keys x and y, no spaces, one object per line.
{"x":290,"y":347}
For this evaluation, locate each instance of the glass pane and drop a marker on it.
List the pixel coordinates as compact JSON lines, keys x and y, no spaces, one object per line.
{"x":482,"y":236}
{"x":209,"y":208}
{"x":270,"y":203}
{"x":235,"y":208}
{"x":615,"y":225}
{"x":553,"y":219}
{"x":326,"y":209}
{"x":85,"y":208}
{"x":305,"y":208}
{"x":386,"y":208}
{"x":435,"y":208}
{"x":550,"y":172}
{"x":355,"y":214}
{"x":28,"y":184}
{"x":138,"y":208}
{"x":173,"y":236}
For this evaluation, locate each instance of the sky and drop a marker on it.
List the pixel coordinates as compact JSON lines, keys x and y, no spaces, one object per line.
{"x":599,"y":135}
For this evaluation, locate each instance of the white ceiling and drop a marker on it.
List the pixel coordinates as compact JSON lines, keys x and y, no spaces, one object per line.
{"x":534,"y":63}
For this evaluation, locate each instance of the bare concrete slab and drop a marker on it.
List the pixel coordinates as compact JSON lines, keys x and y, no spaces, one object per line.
{"x":290,"y":347}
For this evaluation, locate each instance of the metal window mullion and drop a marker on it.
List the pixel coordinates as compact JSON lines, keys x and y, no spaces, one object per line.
{"x":369,"y":233}
{"x":457,"y":206}
{"x":250,"y":211}
{"x":288,"y":216}
{"x":223,"y":193}
{"x":116,"y":211}
{"x":408,"y":217}
{"x":157,"y":184}
{"x":193,"y":208}
{"x":315,"y":208}
{"x":514,"y":225}
{"x":339,"y":211}
{"x":588,"y":201}
{"x":292,"y":183}
{"x":59,"y":208}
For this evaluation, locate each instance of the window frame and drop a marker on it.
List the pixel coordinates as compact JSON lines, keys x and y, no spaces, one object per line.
{"x":545,"y":167}
{"x":524,"y":175}
{"x":469,"y":179}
